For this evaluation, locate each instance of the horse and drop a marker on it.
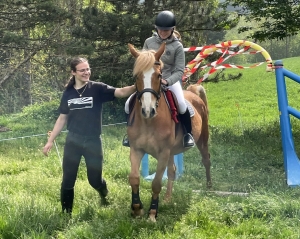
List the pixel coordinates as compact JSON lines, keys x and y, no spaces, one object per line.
{"x":153,"y":131}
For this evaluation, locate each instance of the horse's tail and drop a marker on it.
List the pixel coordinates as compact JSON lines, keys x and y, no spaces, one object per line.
{"x":201,"y":107}
{"x":200,"y":91}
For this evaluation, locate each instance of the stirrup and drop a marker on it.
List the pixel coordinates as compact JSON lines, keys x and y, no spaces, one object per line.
{"x":188,"y":141}
{"x":125,"y":141}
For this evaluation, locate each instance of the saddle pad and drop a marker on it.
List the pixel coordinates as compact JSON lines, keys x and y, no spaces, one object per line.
{"x":190,"y":108}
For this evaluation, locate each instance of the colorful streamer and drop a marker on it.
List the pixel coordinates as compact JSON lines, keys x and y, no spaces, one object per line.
{"x":223,"y":48}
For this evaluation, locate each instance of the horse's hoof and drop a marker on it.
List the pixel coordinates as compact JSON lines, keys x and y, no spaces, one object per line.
{"x":137,"y":211}
{"x":152,"y":218}
{"x":167,"y":199}
{"x":152,"y":215}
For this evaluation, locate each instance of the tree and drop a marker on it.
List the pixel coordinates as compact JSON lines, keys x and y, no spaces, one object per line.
{"x":38,"y":37}
{"x":26,"y":28}
{"x":105,"y":31}
{"x":277,"y":18}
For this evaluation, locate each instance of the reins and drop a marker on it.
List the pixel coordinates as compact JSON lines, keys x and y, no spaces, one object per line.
{"x":140,"y":93}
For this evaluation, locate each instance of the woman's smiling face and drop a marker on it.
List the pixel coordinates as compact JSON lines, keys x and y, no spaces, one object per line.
{"x":83,"y":72}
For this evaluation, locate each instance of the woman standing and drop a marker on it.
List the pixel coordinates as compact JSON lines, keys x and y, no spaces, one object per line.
{"x":81,"y":110}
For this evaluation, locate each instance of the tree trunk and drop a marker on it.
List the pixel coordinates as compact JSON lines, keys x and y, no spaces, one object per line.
{"x":25,"y":79}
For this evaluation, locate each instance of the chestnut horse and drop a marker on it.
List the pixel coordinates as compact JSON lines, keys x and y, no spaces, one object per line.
{"x":154,"y":132}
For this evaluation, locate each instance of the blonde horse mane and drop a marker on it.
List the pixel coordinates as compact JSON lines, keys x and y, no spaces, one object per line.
{"x":144,"y":62}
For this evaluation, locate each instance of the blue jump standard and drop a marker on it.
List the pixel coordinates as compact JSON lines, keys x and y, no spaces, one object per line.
{"x":178,"y":160}
{"x":291,"y":160}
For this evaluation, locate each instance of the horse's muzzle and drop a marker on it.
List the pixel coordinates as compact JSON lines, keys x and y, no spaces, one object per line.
{"x":148,"y":113}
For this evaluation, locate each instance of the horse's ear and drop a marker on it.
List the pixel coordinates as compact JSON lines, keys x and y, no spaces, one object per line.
{"x":160,"y":51}
{"x":133,"y":51}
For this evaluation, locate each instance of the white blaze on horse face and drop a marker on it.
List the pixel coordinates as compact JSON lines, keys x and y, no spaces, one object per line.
{"x":148,"y":102}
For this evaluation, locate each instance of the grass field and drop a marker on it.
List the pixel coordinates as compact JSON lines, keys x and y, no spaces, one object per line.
{"x":246,"y":155}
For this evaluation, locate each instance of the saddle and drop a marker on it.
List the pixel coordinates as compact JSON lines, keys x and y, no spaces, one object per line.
{"x":173,"y":104}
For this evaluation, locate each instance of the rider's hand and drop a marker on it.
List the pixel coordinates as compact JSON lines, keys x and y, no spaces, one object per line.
{"x":164,"y":82}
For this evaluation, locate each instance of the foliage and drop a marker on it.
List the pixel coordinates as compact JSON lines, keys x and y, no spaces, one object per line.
{"x":35,"y":116}
{"x":277,"y":19}
{"x":278,"y":49}
{"x":26,"y":29}
{"x":38,"y":38}
{"x":44,"y":112}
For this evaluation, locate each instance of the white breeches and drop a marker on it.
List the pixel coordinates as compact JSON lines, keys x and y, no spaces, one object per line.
{"x":177,"y":89}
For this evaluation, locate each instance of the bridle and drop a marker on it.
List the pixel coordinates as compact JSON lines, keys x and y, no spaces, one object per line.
{"x":155,"y":93}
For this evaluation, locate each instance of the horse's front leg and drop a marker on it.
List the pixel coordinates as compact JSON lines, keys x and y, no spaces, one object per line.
{"x":171,"y":179}
{"x":134,"y":181}
{"x":162,"y":162}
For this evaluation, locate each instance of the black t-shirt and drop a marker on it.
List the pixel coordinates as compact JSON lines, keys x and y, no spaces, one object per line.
{"x":85,"y":113}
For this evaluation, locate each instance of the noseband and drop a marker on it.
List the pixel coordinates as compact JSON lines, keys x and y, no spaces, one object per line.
{"x":157,"y":94}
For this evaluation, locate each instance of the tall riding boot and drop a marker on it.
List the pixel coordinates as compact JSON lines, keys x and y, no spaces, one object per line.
{"x":188,"y":140}
{"x":125,"y":138}
{"x":103,"y":191}
{"x":66,"y":198}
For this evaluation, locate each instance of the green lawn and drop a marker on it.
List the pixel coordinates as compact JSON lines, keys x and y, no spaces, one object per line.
{"x":246,"y":156}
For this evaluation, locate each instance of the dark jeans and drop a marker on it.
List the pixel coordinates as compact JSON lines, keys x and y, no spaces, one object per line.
{"x":90,"y":147}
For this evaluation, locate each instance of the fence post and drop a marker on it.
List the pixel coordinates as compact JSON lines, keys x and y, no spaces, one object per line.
{"x":145,"y":166}
{"x":291,"y":160}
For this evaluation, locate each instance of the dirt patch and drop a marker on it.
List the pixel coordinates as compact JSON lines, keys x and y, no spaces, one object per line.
{"x":4,"y":129}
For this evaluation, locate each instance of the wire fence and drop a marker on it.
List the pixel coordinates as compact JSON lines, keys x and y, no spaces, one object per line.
{"x":45,"y":134}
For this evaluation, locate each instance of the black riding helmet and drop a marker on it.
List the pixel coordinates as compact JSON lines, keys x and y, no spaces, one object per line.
{"x":165,"y":20}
